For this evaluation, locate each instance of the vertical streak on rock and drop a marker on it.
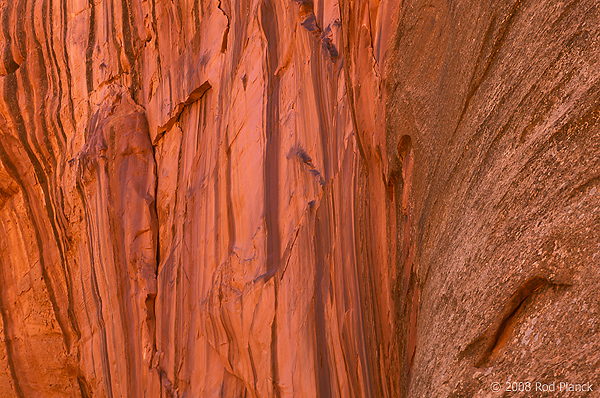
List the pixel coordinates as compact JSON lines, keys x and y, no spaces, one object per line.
{"x":15,"y":113}
{"x":10,"y":334}
{"x":505,"y":180}
{"x":323,"y":120}
{"x":121,"y":262}
{"x":230,"y":215}
{"x":97,"y":299}
{"x":268,"y":20}
{"x":53,"y":119}
{"x":129,"y":37}
{"x":177,"y":319}
{"x":485,"y":68}
{"x":65,"y":54}
{"x":272,"y":207}
{"x":89,"y":51}
{"x":151,"y":297}
{"x":95,"y":290}
{"x":368,"y":287}
{"x":117,"y":147}
{"x":44,"y":172}
{"x":348,"y":27}
{"x":6,"y":326}
{"x":9,"y":64}
{"x":410,"y":296}
{"x":323,"y":244}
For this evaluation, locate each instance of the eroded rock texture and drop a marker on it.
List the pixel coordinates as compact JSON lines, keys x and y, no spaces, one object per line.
{"x":275,"y":198}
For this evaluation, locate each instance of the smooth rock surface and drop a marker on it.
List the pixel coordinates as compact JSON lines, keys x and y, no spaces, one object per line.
{"x":298,"y":198}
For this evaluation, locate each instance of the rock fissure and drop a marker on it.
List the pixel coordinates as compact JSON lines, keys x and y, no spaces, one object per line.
{"x":176,"y":112}
{"x":261,"y":199}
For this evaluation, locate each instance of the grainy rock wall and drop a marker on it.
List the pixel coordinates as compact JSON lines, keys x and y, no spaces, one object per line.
{"x":298,"y":198}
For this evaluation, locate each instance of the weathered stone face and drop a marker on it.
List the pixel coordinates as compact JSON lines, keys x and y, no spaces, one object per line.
{"x":502,"y":104}
{"x":298,"y":199}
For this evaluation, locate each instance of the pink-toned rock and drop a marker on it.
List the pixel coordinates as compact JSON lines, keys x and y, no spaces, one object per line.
{"x":297,"y":198}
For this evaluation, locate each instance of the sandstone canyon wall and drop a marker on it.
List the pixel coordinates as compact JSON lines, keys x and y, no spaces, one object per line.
{"x":275,"y":198}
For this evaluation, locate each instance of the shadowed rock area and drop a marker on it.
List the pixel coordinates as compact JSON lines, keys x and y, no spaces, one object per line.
{"x":266,"y":198}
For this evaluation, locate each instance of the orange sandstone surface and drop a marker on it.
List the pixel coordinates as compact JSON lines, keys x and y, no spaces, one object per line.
{"x":277,"y":198}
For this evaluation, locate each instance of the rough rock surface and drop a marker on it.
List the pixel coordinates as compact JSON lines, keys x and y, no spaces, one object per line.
{"x":275,"y":198}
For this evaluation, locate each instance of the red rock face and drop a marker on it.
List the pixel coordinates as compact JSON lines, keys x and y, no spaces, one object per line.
{"x":298,"y":199}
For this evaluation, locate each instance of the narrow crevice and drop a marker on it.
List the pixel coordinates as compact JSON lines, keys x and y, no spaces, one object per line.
{"x":226,"y":33}
{"x":150,"y":301}
{"x":84,"y":387}
{"x":194,"y":96}
{"x":287,"y":254}
{"x":129,"y":33}
{"x":253,"y":367}
{"x":590,"y":183}
{"x":89,"y":51}
{"x":499,"y":332}
{"x":150,"y":304}
{"x":157,"y":254}
{"x":9,"y":66}
{"x":487,"y":345}
{"x":9,"y":63}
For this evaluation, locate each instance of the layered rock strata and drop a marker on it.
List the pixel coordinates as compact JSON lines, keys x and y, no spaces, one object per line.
{"x":298,"y":198}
